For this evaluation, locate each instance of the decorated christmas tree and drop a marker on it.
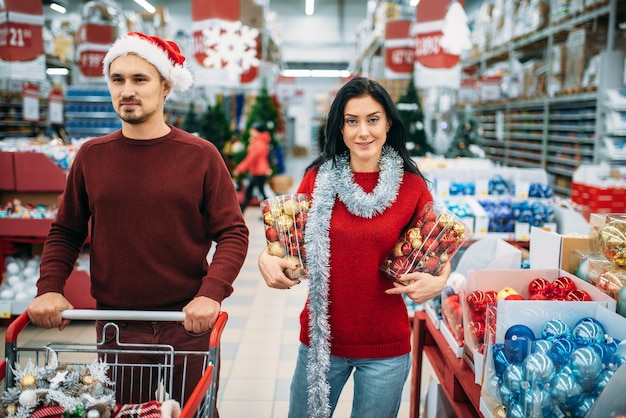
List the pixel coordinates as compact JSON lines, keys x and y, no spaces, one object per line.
{"x":266,"y":109}
{"x":412,"y":116}
{"x":215,"y":126}
{"x":467,"y":137}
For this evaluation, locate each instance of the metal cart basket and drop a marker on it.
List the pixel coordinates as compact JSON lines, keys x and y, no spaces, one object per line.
{"x":200,"y":403}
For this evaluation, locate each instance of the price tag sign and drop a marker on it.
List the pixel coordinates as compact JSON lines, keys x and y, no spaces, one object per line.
{"x":30,"y":102}
{"x":21,"y":30}
{"x":55,"y":107}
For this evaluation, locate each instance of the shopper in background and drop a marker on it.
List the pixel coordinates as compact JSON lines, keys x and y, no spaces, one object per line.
{"x":365,"y":191}
{"x":256,"y":162}
{"x":155,"y":199}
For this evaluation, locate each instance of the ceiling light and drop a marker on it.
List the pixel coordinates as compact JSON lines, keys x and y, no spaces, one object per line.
{"x":147,"y":6}
{"x":309,"y":7}
{"x":57,"y":71}
{"x":58,"y":8}
{"x":315,"y":73}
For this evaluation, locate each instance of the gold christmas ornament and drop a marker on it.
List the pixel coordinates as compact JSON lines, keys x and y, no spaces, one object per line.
{"x":28,"y":381}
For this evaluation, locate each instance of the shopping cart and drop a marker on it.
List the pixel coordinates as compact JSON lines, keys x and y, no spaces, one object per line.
{"x":200,"y":403}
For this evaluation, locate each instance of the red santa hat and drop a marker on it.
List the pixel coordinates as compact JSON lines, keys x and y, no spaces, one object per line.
{"x":164,"y":55}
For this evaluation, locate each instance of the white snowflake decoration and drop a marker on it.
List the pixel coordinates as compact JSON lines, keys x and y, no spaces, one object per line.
{"x":230,"y":45}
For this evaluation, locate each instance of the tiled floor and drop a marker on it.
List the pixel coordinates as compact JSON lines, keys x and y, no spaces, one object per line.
{"x":259,"y":343}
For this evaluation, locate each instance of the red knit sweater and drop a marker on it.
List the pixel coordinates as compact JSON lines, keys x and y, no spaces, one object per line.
{"x":155,"y":208}
{"x":364,"y":321}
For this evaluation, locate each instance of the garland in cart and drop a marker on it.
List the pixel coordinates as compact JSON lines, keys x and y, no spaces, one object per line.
{"x":59,"y":390}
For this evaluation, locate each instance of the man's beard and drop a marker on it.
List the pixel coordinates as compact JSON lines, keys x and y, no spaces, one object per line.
{"x":133,"y":118}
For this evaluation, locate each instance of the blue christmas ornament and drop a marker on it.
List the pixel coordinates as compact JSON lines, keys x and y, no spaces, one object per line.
{"x":584,"y":404}
{"x":588,"y":332}
{"x":620,"y":352}
{"x":513,"y":377}
{"x":500,"y":362}
{"x":507,"y":396}
{"x":561,"y":350}
{"x":585,"y":363}
{"x":536,"y":402}
{"x":538,"y":368}
{"x":555,"y":328}
{"x":543,"y":346}
{"x":515,"y":410}
{"x":518,"y":343}
{"x":602,"y":380}
{"x":565,"y":389}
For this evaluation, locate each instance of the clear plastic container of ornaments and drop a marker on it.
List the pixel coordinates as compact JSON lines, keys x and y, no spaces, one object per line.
{"x":427,"y":245}
{"x":608,"y":237}
{"x":284,"y":218}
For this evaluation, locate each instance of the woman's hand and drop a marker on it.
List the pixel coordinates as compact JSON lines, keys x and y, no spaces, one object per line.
{"x":271,"y":268}
{"x":424,"y":287}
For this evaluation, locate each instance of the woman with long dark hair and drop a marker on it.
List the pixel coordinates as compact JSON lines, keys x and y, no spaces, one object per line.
{"x":365,"y":191}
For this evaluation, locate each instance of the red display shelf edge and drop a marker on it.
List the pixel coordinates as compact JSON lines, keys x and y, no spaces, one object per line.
{"x":35,"y":172}
{"x":455,"y":376}
{"x":7,"y":171}
{"x":16,"y":227}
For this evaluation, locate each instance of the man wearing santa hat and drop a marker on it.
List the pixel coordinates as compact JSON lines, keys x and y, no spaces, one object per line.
{"x":154,"y":199}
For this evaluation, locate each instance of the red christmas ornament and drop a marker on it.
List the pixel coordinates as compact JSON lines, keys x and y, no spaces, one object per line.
{"x":271,"y":234}
{"x":491,"y":296}
{"x":476,"y":300}
{"x":561,"y":286}
{"x":477,"y":330}
{"x":578,"y":295}
{"x":540,"y":286}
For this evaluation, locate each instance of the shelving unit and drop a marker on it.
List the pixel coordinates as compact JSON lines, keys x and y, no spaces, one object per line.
{"x":89,"y":112}
{"x":12,"y":123}
{"x":557,"y":133}
{"x":33,"y":177}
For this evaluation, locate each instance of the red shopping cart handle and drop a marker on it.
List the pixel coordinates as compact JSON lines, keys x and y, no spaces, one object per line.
{"x":115,"y":315}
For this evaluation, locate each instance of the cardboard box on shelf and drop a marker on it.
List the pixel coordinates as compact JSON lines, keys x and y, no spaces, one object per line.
{"x":549,"y":249}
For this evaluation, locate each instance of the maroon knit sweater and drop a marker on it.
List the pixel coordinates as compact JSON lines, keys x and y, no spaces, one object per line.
{"x":364,"y":321}
{"x":155,"y":206}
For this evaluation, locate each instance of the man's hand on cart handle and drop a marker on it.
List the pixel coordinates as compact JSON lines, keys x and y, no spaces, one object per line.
{"x":201,"y":314}
{"x":45,"y":310}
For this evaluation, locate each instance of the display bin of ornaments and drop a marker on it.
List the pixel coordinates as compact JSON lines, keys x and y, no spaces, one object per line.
{"x":548,"y":361}
{"x":19,"y":286}
{"x":512,"y":218}
{"x":485,"y":291}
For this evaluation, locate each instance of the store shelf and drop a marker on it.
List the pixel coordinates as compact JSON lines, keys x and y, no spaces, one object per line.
{"x":556,"y":132}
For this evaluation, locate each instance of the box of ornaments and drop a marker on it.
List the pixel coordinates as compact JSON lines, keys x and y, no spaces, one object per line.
{"x":284,"y":218}
{"x":427,"y":245}
{"x":547,"y":361}
{"x":486,"y":291}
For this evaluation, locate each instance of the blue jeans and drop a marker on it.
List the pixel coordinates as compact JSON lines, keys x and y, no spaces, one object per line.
{"x":378,"y":384}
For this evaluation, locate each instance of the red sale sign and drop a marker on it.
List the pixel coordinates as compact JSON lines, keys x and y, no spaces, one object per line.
{"x":92,"y":43}
{"x":434,"y":66}
{"x":222,"y":42}
{"x":399,"y":49}
{"x":21,"y":30}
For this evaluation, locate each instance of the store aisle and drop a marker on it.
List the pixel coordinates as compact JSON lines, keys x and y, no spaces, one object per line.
{"x":259,"y":343}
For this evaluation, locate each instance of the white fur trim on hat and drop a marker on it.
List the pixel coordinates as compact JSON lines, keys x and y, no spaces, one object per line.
{"x":178,"y":76}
